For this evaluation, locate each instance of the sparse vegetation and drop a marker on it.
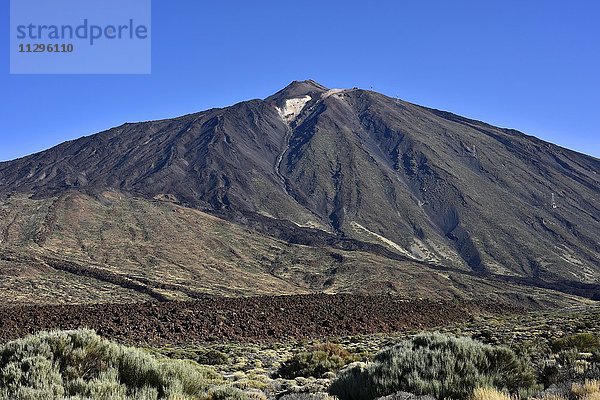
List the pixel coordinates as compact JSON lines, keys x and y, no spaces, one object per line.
{"x":78,"y":365}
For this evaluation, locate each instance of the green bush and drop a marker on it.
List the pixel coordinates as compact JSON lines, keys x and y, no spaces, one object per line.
{"x":80,"y":364}
{"x":322,"y":358}
{"x":436,"y":365}
{"x":584,"y":342}
{"x":212,"y":357}
{"x":200,"y":355}
{"x":227,"y":393}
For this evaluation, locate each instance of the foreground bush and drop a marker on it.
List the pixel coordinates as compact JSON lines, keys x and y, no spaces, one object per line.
{"x":437,"y":365}
{"x":80,"y":364}
{"x":326,"y":357}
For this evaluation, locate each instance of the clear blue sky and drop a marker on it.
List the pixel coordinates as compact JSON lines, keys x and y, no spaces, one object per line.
{"x":529,"y":65}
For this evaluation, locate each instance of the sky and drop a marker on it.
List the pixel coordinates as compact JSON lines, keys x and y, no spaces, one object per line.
{"x":528,"y":65}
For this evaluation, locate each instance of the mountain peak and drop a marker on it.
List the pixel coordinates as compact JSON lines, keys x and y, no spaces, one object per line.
{"x":298,"y":89}
{"x":307,"y":85}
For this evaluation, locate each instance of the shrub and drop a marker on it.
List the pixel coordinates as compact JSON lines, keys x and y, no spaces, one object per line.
{"x":226,"y":393}
{"x":322,"y":358}
{"x":81,"y":364}
{"x":200,"y":355}
{"x":437,"y":365}
{"x":583,"y":342}
{"x":212,"y":357}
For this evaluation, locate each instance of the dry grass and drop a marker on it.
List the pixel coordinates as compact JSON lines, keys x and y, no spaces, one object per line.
{"x":491,"y":394}
{"x":589,"y":390}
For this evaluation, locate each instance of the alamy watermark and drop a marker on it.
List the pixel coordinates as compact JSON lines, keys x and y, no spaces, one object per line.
{"x":80,"y":37}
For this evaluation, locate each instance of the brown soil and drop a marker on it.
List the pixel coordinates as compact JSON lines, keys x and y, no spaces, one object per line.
{"x":240,"y":319}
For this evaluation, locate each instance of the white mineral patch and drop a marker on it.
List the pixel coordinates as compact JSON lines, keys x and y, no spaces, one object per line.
{"x":385,"y":240}
{"x":292,"y":108}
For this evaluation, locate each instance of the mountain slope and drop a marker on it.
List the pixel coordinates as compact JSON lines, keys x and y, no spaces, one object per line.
{"x":76,"y":248}
{"x":347,"y":167}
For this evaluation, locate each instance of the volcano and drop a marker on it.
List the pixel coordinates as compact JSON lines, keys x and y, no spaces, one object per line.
{"x":310,"y":189}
